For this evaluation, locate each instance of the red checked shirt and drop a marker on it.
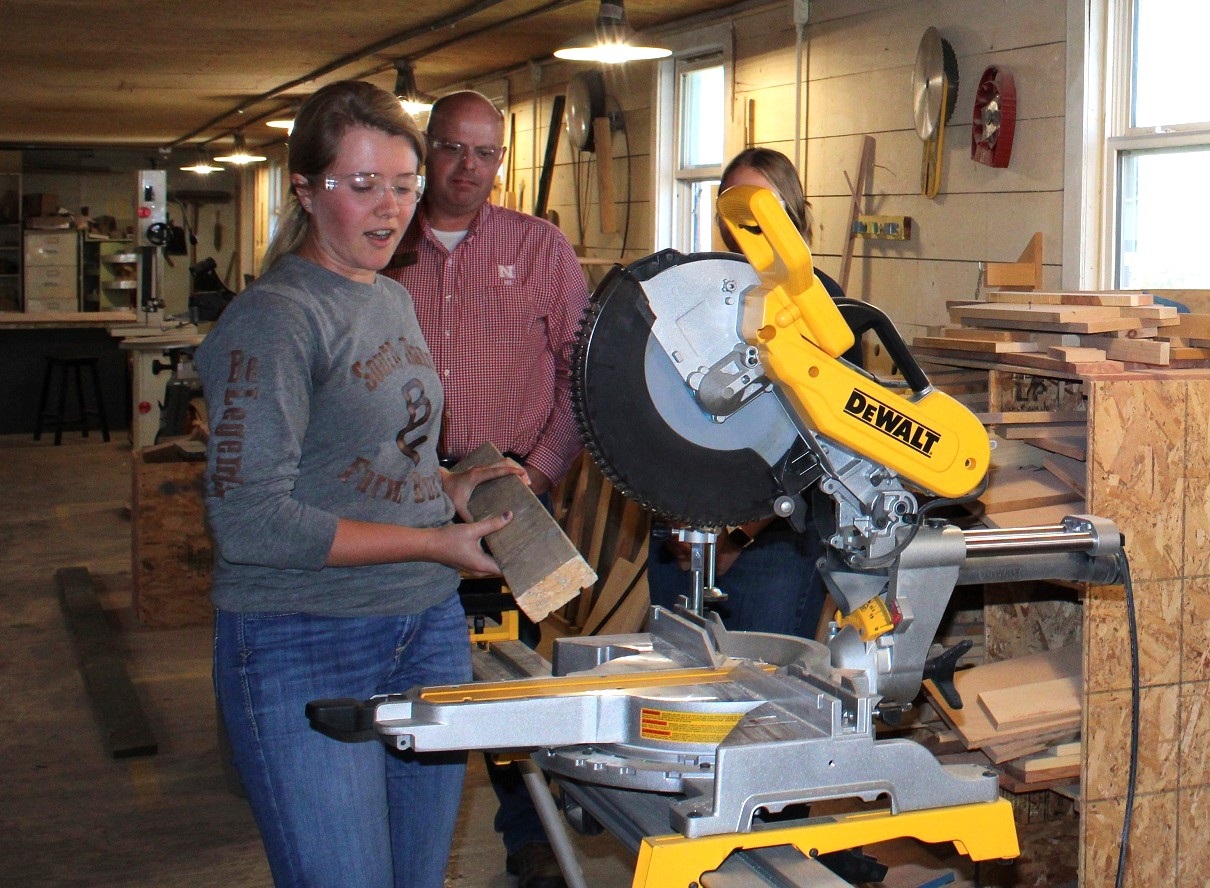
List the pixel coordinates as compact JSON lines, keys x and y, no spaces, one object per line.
{"x":500,"y":314}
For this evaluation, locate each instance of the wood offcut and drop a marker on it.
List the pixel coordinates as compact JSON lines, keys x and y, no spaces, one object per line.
{"x":125,"y":729}
{"x":542,"y":568}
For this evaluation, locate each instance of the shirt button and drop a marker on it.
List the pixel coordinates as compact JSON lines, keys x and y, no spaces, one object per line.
{"x":449,"y":296}
{"x":447,"y":334}
{"x":445,"y":373}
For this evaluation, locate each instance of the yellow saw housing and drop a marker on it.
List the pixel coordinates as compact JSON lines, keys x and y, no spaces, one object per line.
{"x":931,"y":440}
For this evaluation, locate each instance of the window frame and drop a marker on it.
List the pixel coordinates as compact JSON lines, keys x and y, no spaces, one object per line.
{"x":1105,"y":34}
{"x":671,"y":184}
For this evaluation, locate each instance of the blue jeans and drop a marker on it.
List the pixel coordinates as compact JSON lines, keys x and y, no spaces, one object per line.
{"x":773,"y":586}
{"x":334,"y":814}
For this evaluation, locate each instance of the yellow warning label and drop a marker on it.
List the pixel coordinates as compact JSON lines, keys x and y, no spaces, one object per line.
{"x":686,"y":727}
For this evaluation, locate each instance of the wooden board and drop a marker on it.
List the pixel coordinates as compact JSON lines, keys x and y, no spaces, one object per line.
{"x":1142,"y":351}
{"x":1027,"y":297}
{"x":1072,"y":472}
{"x":1026,"y":487}
{"x":1050,"y":314}
{"x":1075,"y":446}
{"x":982,"y":346}
{"x":1031,"y":705}
{"x":1026,"y":431}
{"x":124,"y":726}
{"x":978,"y":333}
{"x":1073,"y":354}
{"x":1192,"y":326}
{"x":542,"y":568}
{"x":1099,"y":325}
{"x":1029,"y":417}
{"x":971,"y":721}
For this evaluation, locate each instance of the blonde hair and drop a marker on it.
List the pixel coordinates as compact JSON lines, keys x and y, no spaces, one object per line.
{"x":320,"y":125}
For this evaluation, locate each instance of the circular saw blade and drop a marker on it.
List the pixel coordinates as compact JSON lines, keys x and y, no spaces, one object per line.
{"x":641,"y":423}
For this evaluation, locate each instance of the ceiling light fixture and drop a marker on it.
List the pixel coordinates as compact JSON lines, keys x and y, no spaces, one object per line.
{"x":612,"y":41}
{"x":286,"y":123}
{"x":410,"y":97}
{"x":239,"y":154}
{"x":203,"y":166}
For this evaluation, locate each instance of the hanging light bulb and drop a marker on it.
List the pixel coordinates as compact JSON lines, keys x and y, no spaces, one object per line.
{"x":240,"y":155}
{"x":410,"y":97}
{"x":611,"y":42}
{"x":203,"y":165}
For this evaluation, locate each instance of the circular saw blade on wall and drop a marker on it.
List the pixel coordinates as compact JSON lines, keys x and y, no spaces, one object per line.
{"x":934,"y":94}
{"x":585,"y":103}
{"x":995,"y":118}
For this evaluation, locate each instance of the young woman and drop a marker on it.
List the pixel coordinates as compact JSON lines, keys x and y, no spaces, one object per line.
{"x":337,"y":563}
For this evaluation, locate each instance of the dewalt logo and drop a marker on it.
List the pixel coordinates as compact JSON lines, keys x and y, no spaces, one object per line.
{"x":891,"y":422}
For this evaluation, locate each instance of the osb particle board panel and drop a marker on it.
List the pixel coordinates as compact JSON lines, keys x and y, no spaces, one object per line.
{"x":171,"y":552}
{"x":1136,"y":456}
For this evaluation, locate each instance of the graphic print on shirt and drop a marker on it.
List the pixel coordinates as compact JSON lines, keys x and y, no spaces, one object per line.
{"x":417,"y":407}
{"x":228,"y":433}
{"x":419,"y":410}
{"x":387,"y":359}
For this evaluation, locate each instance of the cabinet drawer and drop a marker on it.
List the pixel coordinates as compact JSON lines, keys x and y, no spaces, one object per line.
{"x":51,"y":248}
{"x":50,"y":282}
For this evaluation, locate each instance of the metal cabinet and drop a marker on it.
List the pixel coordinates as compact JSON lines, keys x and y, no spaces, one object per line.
{"x":52,"y":271}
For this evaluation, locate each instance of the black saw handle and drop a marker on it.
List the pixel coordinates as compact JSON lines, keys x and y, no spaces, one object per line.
{"x":861,"y":317}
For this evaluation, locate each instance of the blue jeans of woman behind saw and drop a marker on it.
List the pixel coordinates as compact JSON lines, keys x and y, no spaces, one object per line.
{"x":773,"y":586}
{"x":334,"y":814}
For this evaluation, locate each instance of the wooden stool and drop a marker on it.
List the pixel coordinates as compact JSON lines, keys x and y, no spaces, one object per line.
{"x":67,"y":367}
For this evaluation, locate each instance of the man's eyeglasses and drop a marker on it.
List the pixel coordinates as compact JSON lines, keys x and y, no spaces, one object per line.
{"x":459,"y":150}
{"x":372,"y":187}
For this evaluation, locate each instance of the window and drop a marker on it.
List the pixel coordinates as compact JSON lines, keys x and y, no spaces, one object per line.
{"x":692,"y":138}
{"x":700,"y":156}
{"x":1156,"y":161}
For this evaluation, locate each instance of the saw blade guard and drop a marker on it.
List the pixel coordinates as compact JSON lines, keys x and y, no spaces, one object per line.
{"x":930,"y":439}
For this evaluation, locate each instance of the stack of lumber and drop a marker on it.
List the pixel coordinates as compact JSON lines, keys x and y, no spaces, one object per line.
{"x":1020,"y":713}
{"x":611,"y":532}
{"x":1083,"y":333}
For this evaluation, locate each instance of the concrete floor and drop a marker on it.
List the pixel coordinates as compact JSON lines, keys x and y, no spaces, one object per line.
{"x":72,"y":816}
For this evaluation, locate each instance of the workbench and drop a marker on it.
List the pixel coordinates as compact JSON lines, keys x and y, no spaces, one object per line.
{"x":26,"y":337}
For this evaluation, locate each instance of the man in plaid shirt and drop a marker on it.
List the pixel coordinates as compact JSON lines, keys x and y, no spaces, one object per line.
{"x":500,"y":296}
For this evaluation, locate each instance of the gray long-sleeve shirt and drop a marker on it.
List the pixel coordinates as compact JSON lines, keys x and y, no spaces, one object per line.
{"x":323,"y":403}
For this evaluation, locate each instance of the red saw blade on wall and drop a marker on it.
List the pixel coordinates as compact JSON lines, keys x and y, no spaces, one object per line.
{"x":995,"y":118}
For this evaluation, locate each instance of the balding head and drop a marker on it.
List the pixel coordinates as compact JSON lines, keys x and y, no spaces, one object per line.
{"x":456,"y":104}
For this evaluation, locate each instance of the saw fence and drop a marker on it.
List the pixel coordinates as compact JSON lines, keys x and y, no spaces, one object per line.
{"x":612,"y":534}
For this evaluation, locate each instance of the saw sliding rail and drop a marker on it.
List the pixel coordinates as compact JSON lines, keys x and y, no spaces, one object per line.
{"x":704,"y":750}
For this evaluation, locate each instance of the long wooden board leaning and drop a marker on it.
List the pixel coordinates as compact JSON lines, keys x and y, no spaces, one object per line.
{"x":542,"y":568}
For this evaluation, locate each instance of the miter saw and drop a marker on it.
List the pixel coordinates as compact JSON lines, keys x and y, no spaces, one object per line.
{"x":711,"y":390}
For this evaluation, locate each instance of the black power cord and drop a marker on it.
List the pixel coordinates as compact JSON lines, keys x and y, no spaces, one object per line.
{"x":1132,"y":773}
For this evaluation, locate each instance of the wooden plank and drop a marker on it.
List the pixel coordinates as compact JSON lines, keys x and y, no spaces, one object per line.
{"x":540,"y":565}
{"x":1075,"y":446}
{"x":1032,"y":704}
{"x":602,"y":136}
{"x":623,"y":576}
{"x":1014,"y":488}
{"x":983,"y":346}
{"x":1044,"y":362}
{"x":1188,"y":353}
{"x":1073,"y":297}
{"x":1036,"y":515}
{"x":1012,"y":417}
{"x":1159,"y":315}
{"x":1072,"y":472}
{"x":125,"y":728}
{"x":1027,"y":431}
{"x":977,"y":333}
{"x":971,"y":722}
{"x":1102,"y":325}
{"x":1139,"y":351}
{"x":1076,"y":354}
{"x":1192,"y":326}
{"x":1051,"y":314}
{"x":629,"y":616}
